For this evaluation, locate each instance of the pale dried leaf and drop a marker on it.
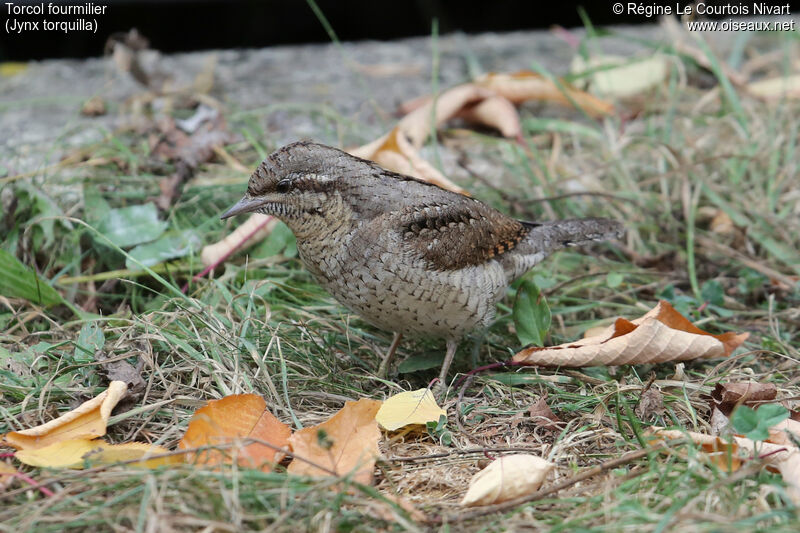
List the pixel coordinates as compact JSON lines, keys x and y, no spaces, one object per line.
{"x":526,"y":85}
{"x":659,"y":336}
{"x":254,"y":229}
{"x":395,"y":153}
{"x":507,"y":478}
{"x":417,"y":124}
{"x":785,"y":457}
{"x":87,"y":421}
{"x":495,"y":112}
{"x":776,"y":88}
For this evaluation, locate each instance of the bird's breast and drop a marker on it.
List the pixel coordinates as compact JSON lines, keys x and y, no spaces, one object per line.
{"x":389,"y":285}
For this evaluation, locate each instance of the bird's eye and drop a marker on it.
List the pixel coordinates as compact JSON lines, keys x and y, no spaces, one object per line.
{"x":283,"y":185}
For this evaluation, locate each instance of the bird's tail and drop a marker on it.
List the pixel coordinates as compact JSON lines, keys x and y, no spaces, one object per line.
{"x":550,"y":236}
{"x":545,"y":238}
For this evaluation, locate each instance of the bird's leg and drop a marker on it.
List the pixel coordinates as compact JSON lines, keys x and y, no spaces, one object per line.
{"x":383,"y":370}
{"x":448,"y":360}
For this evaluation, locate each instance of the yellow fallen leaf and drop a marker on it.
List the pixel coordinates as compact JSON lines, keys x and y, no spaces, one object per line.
{"x":347,"y":443}
{"x":620,"y":77}
{"x":409,"y":408}
{"x":506,"y":478}
{"x":661,"y":335}
{"x":76,"y":453}
{"x":229,"y":420}
{"x":87,"y":421}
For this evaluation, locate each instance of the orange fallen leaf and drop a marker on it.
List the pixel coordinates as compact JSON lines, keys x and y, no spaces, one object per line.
{"x":495,"y":112}
{"x":87,"y":421}
{"x":394,"y":152}
{"x":77,"y":453}
{"x":526,"y":85}
{"x":347,"y":443}
{"x":661,"y":335}
{"x":229,"y":420}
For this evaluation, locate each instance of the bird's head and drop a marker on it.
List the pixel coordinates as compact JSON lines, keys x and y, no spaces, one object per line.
{"x":297,"y":184}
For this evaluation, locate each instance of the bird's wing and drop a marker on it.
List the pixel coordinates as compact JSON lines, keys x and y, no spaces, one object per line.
{"x":453,"y":236}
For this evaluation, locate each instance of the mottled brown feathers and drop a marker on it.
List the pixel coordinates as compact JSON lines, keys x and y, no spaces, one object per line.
{"x":457,"y":235}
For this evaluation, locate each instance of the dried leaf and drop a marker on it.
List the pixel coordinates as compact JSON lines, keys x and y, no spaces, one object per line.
{"x":785,"y":457}
{"x":661,"y":335}
{"x":347,"y":443}
{"x":543,"y":416}
{"x":621,"y":77}
{"x":650,"y":404}
{"x":506,"y":478}
{"x":187,"y":152}
{"x":254,"y":229}
{"x":726,"y":396}
{"x":776,"y":88}
{"x":7,"y":475}
{"x":494,"y":112}
{"x":87,"y":421}
{"x":409,"y":408}
{"x":94,"y":107}
{"x":229,"y":420}
{"x":117,"y":369}
{"x":77,"y":453}
{"x":417,"y":124}
{"x":393,"y":151}
{"x":526,"y":85}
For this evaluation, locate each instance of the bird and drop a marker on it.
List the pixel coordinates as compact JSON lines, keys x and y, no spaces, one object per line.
{"x":406,"y":255}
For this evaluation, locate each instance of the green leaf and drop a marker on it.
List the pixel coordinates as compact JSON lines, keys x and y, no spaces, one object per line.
{"x":614,"y":279}
{"x":19,"y":281}
{"x":129,"y":226}
{"x":95,"y":207}
{"x":90,"y":339}
{"x":420,"y":362}
{"x":713,"y":293}
{"x":531,"y":314}
{"x":755,"y":424}
{"x":280,"y":240}
{"x":772,"y":413}
{"x":169,"y":246}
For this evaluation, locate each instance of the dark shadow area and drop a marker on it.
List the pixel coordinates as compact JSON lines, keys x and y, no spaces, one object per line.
{"x":183,"y":25}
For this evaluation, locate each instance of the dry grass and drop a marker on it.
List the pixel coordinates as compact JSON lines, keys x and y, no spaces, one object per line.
{"x":265,"y":327}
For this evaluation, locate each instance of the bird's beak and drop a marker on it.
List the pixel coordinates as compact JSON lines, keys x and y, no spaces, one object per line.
{"x":245,"y":205}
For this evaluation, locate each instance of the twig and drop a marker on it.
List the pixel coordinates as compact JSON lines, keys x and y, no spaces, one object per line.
{"x":469,"y":451}
{"x":552,"y":489}
{"x":30,"y":481}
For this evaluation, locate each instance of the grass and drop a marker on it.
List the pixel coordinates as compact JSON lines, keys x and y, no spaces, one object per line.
{"x":262,"y":325}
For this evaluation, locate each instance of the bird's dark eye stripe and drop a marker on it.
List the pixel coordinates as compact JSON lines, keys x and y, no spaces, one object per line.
{"x":284,"y":185}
